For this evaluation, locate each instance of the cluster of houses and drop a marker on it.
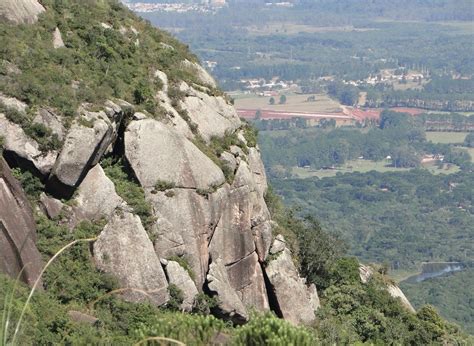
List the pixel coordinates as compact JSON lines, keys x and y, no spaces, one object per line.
{"x":389,"y":76}
{"x":264,"y":87}
{"x":205,"y":6}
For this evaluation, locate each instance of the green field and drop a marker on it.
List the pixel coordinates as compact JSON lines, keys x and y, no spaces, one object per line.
{"x":446,"y":137}
{"x":294,"y":103}
{"x":364,"y":166}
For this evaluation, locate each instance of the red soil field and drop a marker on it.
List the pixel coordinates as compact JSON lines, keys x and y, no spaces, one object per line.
{"x":348,"y":114}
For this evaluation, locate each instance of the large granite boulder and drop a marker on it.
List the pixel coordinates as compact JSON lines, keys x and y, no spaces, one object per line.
{"x":24,"y":151}
{"x":124,"y":250}
{"x":230,"y":306}
{"x":86,"y":142}
{"x":178,"y":276}
{"x":96,"y":196}
{"x":20,"y":11}
{"x":17,"y":230}
{"x":184,"y":227}
{"x":157,"y":153}
{"x":213,"y":115}
{"x":295,"y":301}
{"x":258,"y":170}
{"x":173,"y":117}
{"x":52,"y":121}
{"x":201,"y":73}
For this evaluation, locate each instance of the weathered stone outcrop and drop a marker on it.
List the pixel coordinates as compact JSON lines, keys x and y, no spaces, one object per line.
{"x":201,"y":73}
{"x":157,"y":153}
{"x":295,"y":301}
{"x":17,"y":230}
{"x":84,"y":145}
{"x":50,"y":206}
{"x":20,"y":12}
{"x":229,"y":304}
{"x":184,"y":220}
{"x":213,"y":115}
{"x":124,"y":250}
{"x":178,"y":276}
{"x":366,"y":272}
{"x":396,"y":292}
{"x":24,"y":151}
{"x":49,"y":119}
{"x":258,"y":170}
{"x":57,"y":39}
{"x":96,"y":197}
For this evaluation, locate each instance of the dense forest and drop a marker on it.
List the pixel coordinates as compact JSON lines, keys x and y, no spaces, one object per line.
{"x":398,"y":136}
{"x":403,"y":218}
{"x":449,"y":294}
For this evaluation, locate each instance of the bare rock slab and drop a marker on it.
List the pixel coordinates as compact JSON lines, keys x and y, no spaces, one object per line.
{"x":229,"y":304}
{"x":23,"y":150}
{"x":83,"y":147}
{"x":20,"y":11}
{"x":96,"y":196}
{"x":17,"y":230}
{"x":157,"y":153}
{"x":178,"y":276}
{"x":296,"y":302}
{"x":124,"y":250}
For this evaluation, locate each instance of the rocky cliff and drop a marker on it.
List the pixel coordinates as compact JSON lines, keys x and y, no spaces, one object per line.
{"x":195,"y":162}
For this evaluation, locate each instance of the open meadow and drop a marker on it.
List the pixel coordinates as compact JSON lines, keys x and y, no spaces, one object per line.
{"x":446,"y":137}
{"x":364,"y":166}
{"x":294,"y":103}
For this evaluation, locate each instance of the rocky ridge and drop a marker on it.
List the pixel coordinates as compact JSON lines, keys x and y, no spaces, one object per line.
{"x":207,"y":205}
{"x":209,"y":211}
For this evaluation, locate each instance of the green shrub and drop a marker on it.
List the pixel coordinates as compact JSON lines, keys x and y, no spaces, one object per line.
{"x":203,"y":304}
{"x":73,"y":276}
{"x":251,"y":135}
{"x":162,"y":185}
{"x":270,"y":330}
{"x":193,"y":330}
{"x":31,"y":185}
{"x":129,"y":190}
{"x":176,"y":298}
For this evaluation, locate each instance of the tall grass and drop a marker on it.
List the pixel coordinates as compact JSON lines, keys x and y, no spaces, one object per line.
{"x":9,"y":300}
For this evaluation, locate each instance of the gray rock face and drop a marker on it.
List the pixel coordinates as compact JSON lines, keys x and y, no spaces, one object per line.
{"x":258,"y":170}
{"x":24,"y":150}
{"x":20,"y":11}
{"x":279,"y":245}
{"x":157,"y":153}
{"x":229,"y":303}
{"x":213,"y":115}
{"x":246,"y":278}
{"x":96,"y":196}
{"x":366,"y":272}
{"x":124,"y":250}
{"x":183,"y":228}
{"x":396,"y":292}
{"x":295,"y":300}
{"x":229,"y":160}
{"x":178,"y":276}
{"x":237,"y":240}
{"x":47,"y":118}
{"x":51,"y":207}
{"x":201,"y":73}
{"x":11,"y":102}
{"x":83,"y":147}
{"x":17,"y":230}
